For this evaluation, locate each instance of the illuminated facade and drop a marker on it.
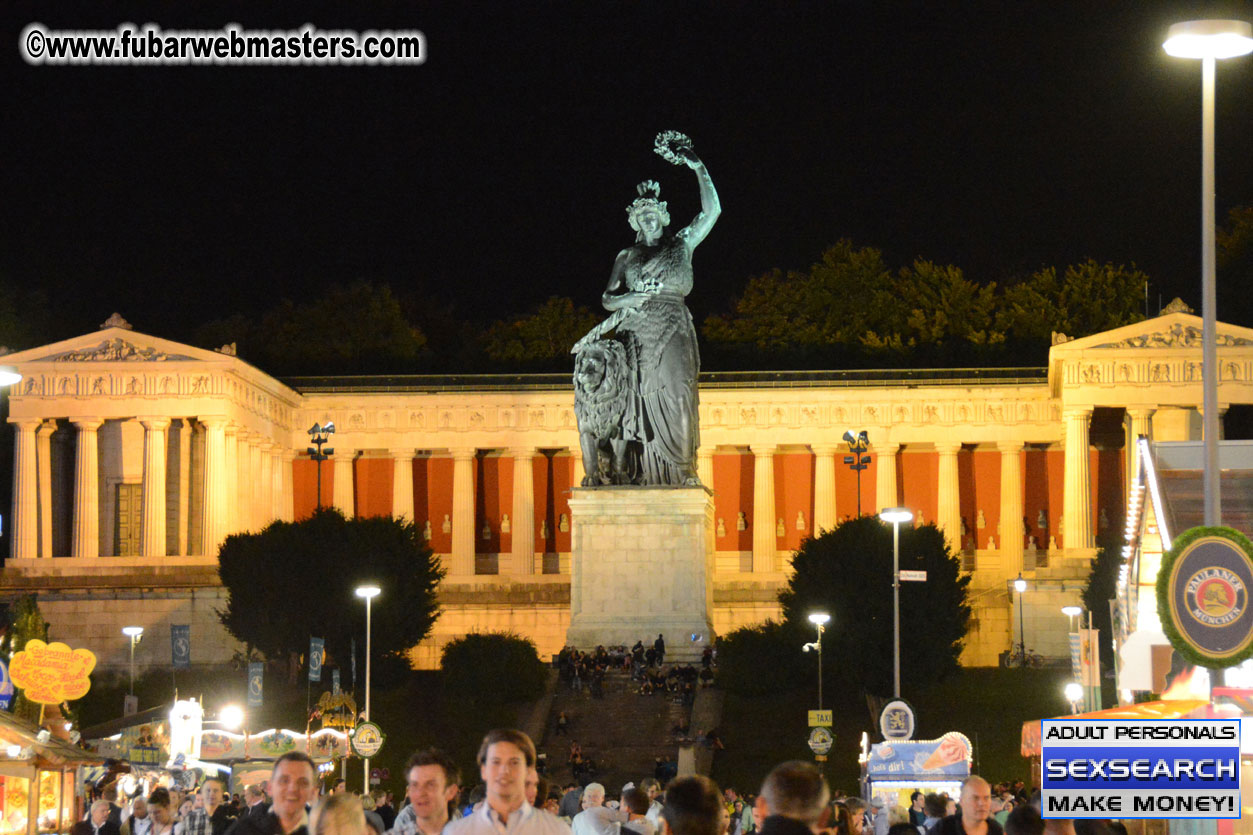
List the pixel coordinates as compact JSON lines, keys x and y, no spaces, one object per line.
{"x":135,"y":456}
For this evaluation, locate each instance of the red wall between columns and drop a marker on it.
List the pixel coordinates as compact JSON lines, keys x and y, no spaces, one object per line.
{"x":793,"y":494}
{"x":846,"y":486}
{"x":488,"y":502}
{"x":733,"y":494}
{"x":916,"y":479}
{"x":437,"y":497}
{"x":305,"y":485}
{"x":986,"y":495}
{"x":373,"y":486}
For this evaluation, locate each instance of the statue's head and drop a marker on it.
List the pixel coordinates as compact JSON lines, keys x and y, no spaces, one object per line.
{"x":649,"y":201}
{"x":591,"y":368}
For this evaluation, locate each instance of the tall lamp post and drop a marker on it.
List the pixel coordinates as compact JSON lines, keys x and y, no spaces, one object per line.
{"x":133,"y":632}
{"x":369,"y":592}
{"x":1209,"y":40}
{"x":818,"y":619}
{"x":896,"y":515}
{"x":1020,"y":586}
{"x":319,"y":436}
{"x":858,"y":443}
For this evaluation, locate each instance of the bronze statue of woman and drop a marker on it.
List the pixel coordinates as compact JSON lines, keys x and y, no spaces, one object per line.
{"x":646,"y":293}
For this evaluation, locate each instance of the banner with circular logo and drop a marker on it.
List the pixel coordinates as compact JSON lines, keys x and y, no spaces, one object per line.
{"x":1203,"y":596}
{"x":821,"y":740}
{"x":367,"y":739}
{"x":897,"y":720}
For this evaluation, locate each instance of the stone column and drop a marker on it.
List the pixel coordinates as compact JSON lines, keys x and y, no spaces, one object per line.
{"x":705,"y":466}
{"x":1139,"y":422}
{"x":153,"y":541}
{"x":215,"y":483}
{"x":342,"y":495}
{"x":462,"y":512}
{"x":86,"y":534}
{"x":256,"y":506}
{"x":276,"y":484}
{"x":1076,"y":495}
{"x":43,"y":455}
{"x":948,"y":494}
{"x":402,"y":483}
{"x":1011,"y":507}
{"x":885,"y":481}
{"x":230,"y":464}
{"x":25,"y":491}
{"x":265,"y":488}
{"x":184,"y":486}
{"x":765,"y":541}
{"x":824,"y":487}
{"x":288,"y":513}
{"x":523,"y":518}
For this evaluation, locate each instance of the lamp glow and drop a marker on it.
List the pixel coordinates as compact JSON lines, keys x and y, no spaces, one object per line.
{"x":231,"y":716}
{"x":368,"y":591}
{"x":132,"y":631}
{"x":819,"y":618}
{"x":1020,"y":585}
{"x":896,"y":514}
{"x":1070,"y":611}
{"x":1073,"y":693}
{"x":9,"y":375}
{"x":1209,"y":39}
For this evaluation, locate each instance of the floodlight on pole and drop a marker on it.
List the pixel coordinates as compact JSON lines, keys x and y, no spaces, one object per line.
{"x":858,"y":442}
{"x":319,"y":436}
{"x":820,"y":620}
{"x":895,"y":516}
{"x":1209,"y":41}
{"x":369,"y":591}
{"x":133,"y":632}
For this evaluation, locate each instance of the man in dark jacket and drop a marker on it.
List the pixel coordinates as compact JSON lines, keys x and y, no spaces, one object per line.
{"x":792,"y":799}
{"x":974,"y":813}
{"x":293,"y":786}
{"x":97,"y":822}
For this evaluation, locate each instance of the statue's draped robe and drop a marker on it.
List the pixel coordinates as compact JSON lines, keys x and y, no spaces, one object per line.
{"x":662,"y":342}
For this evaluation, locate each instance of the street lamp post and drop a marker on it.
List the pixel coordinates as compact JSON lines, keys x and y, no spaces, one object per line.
{"x":896,"y":515}
{"x":1072,"y":612}
{"x":1020,"y":586}
{"x":858,"y":443}
{"x":818,"y":619}
{"x":1209,"y":40}
{"x":369,"y":592}
{"x":133,"y":632}
{"x":319,"y":436}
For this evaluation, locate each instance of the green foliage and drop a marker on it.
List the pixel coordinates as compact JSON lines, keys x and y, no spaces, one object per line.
{"x":540,"y":337}
{"x":756,"y":660}
{"x":934,"y":306}
{"x":1102,"y":587}
{"x":294,"y":580}
{"x":493,"y":668}
{"x":847,"y":573}
{"x":358,"y":328}
{"x":26,"y":623}
{"x":1088,"y":298}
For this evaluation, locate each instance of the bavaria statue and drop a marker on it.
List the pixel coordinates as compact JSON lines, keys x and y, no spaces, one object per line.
{"x":635,"y":374}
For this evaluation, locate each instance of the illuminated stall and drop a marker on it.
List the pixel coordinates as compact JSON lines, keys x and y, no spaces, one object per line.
{"x":37,"y":779}
{"x":895,"y":769}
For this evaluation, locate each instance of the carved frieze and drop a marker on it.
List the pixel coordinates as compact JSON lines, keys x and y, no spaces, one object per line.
{"x":116,"y":349}
{"x":1177,"y":335}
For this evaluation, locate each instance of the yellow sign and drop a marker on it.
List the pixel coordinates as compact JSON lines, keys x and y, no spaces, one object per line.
{"x":820,"y":718}
{"x":52,"y":673}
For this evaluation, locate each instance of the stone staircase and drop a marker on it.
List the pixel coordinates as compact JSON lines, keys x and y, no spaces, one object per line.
{"x":623,"y":733}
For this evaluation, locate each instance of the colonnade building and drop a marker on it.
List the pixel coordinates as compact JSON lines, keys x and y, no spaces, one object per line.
{"x":135,"y":456}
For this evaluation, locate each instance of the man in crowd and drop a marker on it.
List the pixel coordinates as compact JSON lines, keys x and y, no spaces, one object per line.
{"x":974,"y":815}
{"x":433,"y":782}
{"x":138,"y":821}
{"x":635,"y":804}
{"x":293,"y":786}
{"x":97,"y":822}
{"x":934,"y":806}
{"x":792,"y":799}
{"x":879,"y":810}
{"x":693,"y":807}
{"x":532,"y":785}
{"x":504,"y":758}
{"x":340,"y":787}
{"x":213,"y":817}
{"x":254,"y":798}
{"x":917,"y":817}
{"x":384,"y":809}
{"x":652,"y":788}
{"x":571,"y":801}
{"x":596,"y":818}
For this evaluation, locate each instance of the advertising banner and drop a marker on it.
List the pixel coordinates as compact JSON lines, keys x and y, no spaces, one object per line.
{"x":255,"y":672}
{"x":180,"y":646}
{"x":316,"y":650}
{"x":52,"y":673}
{"x":946,"y":757}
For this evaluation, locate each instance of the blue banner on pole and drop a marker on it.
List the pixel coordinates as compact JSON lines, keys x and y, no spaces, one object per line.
{"x":255,"y":671}
{"x":7,"y":691}
{"x":335,"y":682}
{"x":180,"y":646}
{"x":316,"y":648}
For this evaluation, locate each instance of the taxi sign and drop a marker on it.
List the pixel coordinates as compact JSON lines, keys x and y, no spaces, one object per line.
{"x":820,"y":718}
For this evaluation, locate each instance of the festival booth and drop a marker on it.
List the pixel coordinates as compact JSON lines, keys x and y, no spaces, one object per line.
{"x":896,"y":769}
{"x":38,"y":778}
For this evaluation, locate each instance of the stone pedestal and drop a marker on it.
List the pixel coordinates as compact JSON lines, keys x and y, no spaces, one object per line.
{"x":643,"y":564}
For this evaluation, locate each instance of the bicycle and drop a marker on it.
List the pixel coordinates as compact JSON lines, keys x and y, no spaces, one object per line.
{"x":1015,"y":658}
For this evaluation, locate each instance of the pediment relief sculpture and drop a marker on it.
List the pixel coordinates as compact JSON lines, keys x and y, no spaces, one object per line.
{"x":116,"y":349}
{"x":1178,"y":335}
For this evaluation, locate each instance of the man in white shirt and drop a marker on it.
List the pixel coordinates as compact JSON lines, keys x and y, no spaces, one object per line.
{"x":504,"y":758}
{"x":596,"y":818}
{"x":433,"y":782}
{"x":652,"y":788}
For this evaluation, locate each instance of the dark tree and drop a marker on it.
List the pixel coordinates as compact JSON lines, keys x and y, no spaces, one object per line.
{"x":294,"y":580}
{"x":25,"y":623}
{"x":492,"y":668}
{"x":847,"y":573}
{"x":1102,"y":587}
{"x":541,"y":338}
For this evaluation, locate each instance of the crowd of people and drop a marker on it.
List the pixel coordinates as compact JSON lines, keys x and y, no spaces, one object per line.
{"x":512,"y":797}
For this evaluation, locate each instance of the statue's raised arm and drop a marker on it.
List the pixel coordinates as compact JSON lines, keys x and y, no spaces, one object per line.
{"x":677,"y":148}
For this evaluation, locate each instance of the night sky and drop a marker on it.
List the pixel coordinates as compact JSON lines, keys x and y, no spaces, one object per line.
{"x":999,"y":137}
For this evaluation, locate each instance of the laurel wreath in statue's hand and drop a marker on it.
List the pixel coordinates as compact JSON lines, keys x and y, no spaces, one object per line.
{"x":674,"y":147}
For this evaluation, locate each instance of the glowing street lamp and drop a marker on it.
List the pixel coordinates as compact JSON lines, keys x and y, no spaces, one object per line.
{"x":1209,"y":40}
{"x":1020,"y":586}
{"x":1072,"y":612}
{"x":1074,"y":694}
{"x":231,"y":717}
{"x":369,"y":592}
{"x":133,"y":632}
{"x":896,"y":515}
{"x":818,"y":619}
